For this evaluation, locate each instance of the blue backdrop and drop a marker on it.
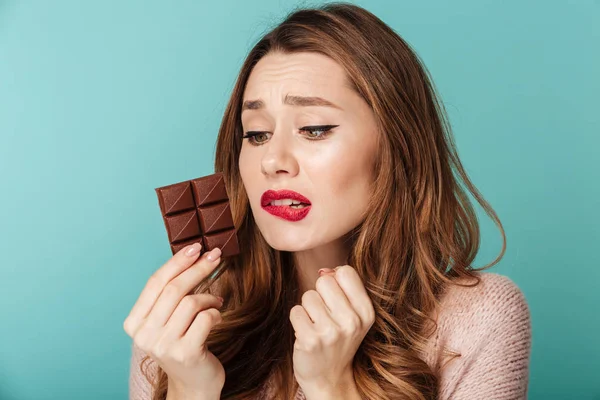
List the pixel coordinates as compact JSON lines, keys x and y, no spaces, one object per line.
{"x":103,"y":101}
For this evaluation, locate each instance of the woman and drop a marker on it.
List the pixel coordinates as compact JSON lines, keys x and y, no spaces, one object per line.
{"x":336,"y":153}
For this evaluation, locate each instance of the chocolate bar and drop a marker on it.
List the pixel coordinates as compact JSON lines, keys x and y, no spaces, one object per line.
{"x":198,"y":210}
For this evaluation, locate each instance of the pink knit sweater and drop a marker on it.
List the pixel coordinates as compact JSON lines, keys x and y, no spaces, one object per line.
{"x":489,"y":325}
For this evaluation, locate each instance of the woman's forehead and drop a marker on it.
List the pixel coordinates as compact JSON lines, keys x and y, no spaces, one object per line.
{"x":302,"y":74}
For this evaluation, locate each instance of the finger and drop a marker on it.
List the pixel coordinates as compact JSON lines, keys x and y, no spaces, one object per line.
{"x":156,"y":283}
{"x":178,"y":288}
{"x":186,"y":312}
{"x":354,"y":289}
{"x":203,"y":323}
{"x":300,"y":321}
{"x":340,"y":309}
{"x":316,"y":309}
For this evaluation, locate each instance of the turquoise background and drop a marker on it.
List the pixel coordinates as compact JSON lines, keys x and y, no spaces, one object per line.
{"x":103,"y":101}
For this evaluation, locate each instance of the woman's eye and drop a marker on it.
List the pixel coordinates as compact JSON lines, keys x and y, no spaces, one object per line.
{"x":318,"y":132}
{"x":313,"y":132}
{"x":251,"y":136}
{"x":324,"y":129}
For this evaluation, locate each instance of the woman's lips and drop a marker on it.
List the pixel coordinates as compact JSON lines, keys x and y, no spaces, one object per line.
{"x":286,"y":212}
{"x":271,"y":195}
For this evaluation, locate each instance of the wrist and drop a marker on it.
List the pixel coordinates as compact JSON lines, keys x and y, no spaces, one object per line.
{"x":349,"y":392}
{"x":345,"y":389}
{"x":177,"y":392}
{"x":178,"y":395}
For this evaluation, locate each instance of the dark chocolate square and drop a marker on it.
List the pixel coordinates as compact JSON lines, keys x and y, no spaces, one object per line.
{"x":215,"y":218}
{"x":182,"y":226}
{"x":209,"y":189}
{"x":226,"y":241}
{"x":180,"y":245}
{"x":175,"y":198}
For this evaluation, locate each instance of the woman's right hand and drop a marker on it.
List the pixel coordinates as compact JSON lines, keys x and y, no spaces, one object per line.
{"x":171,"y":326}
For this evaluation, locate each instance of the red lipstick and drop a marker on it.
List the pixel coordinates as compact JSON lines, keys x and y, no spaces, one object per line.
{"x":288,"y":213}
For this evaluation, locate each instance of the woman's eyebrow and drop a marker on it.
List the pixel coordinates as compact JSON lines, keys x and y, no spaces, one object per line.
{"x":302,"y":101}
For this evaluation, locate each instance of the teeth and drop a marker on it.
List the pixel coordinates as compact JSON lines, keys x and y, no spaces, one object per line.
{"x":285,"y":202}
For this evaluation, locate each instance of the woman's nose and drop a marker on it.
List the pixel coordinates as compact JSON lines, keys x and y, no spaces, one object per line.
{"x":279,"y":157}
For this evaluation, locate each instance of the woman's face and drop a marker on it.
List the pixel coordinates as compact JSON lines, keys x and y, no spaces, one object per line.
{"x":333,"y":170}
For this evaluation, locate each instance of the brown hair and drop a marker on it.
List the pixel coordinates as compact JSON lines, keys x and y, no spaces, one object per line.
{"x":406,"y":253}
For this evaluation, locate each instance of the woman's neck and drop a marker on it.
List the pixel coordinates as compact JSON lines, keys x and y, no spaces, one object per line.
{"x":308,"y":262}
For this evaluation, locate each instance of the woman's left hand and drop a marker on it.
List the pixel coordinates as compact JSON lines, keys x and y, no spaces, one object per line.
{"x":330,"y":325}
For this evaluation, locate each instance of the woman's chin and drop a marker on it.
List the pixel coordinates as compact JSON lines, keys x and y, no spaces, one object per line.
{"x":284,"y":246}
{"x":282,"y":243}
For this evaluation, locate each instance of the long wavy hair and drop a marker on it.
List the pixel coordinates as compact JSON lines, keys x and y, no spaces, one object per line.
{"x":407,"y":253}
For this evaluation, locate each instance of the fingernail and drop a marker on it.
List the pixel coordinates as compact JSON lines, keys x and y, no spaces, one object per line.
{"x":221,"y":299}
{"x":194,"y":249}
{"x":324,"y":271}
{"x":214,"y":254}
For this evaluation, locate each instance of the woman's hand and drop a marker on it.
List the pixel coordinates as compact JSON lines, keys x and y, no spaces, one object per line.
{"x":330,"y":325}
{"x":171,"y":325}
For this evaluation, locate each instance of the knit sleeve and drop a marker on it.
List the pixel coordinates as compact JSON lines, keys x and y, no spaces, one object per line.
{"x":498,"y":367}
{"x":139,"y":387}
